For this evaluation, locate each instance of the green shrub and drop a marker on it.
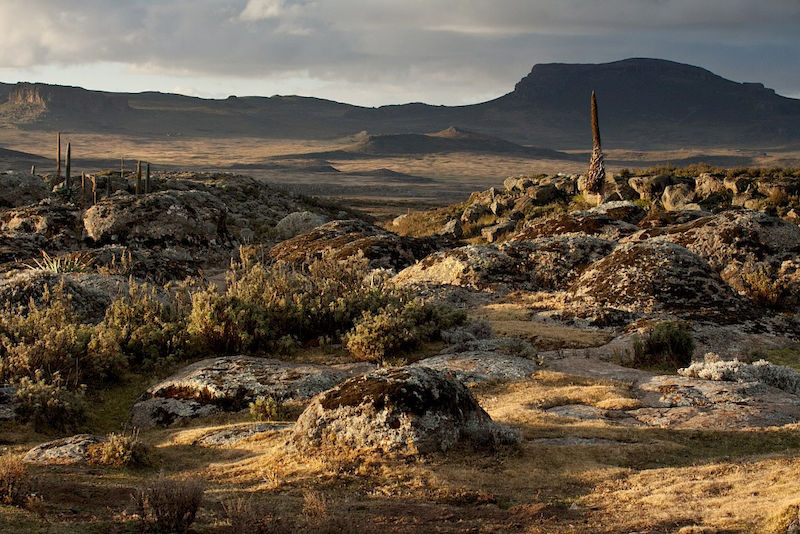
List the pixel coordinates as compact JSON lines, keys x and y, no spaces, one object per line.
{"x":267,"y":409}
{"x":121,"y":450}
{"x":399,"y":327}
{"x":50,"y":339}
{"x":50,"y":405}
{"x":166,"y":505}
{"x":15,"y":481}
{"x":225,"y":324}
{"x":668,"y":344}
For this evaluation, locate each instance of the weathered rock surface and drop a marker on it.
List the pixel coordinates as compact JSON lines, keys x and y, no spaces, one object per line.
{"x":473,"y":366}
{"x":586,"y":222}
{"x":496,"y":231}
{"x":298,"y":223}
{"x":678,"y":197}
{"x":7,"y":402}
{"x":410,"y":410}
{"x":650,"y":187}
{"x":18,"y":189}
{"x":194,"y":218}
{"x":25,"y":231}
{"x":232,"y":435}
{"x":383,"y":249}
{"x":229,"y":384}
{"x":656,"y":276}
{"x":546,"y":263}
{"x":64,"y":451}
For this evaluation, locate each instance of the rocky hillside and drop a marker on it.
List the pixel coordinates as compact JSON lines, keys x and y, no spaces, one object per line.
{"x":644,"y":103}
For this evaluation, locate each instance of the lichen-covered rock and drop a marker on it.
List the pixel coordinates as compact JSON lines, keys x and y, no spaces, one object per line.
{"x":90,"y":293}
{"x":232,"y":435}
{"x":581,"y":222}
{"x":177,"y":217}
{"x":64,"y":451}
{"x":737,"y":184}
{"x":707,"y":184}
{"x":494,"y":232}
{"x":543,"y":193}
{"x":546,"y":263}
{"x":297,"y":223}
{"x":661,"y":219}
{"x":20,"y":189}
{"x":348,"y":238}
{"x":656,"y":276}
{"x":485,"y":359}
{"x":26,"y":230}
{"x":650,"y":187}
{"x":452,"y":229}
{"x":229,"y":384}
{"x":410,"y":410}
{"x":678,"y":197}
{"x":620,"y":210}
{"x":517,"y":183}
{"x":473,"y":212}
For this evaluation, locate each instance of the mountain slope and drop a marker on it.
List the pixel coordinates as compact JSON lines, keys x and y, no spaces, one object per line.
{"x":644,"y":103}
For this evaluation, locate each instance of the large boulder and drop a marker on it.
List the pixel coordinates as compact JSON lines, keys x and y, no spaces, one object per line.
{"x":298,"y":223}
{"x":343,"y":239}
{"x":194,"y":218}
{"x":21,"y":189}
{"x":657,"y":276}
{"x":707,"y":185}
{"x":48,"y":225}
{"x":409,"y":410}
{"x":595,"y":223}
{"x":678,"y":197}
{"x":229,"y":384}
{"x":547,"y":263}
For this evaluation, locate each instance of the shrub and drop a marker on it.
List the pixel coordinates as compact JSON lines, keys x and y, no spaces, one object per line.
{"x":50,"y":338}
{"x":267,"y":409}
{"x":15,"y":481}
{"x":399,"y":327}
{"x":76,"y":262}
{"x":50,"y":404}
{"x":226,"y":324}
{"x":762,"y":285}
{"x":668,"y":344}
{"x":121,"y":450}
{"x":168,"y":505}
{"x":245,"y":515}
{"x":143,"y":327}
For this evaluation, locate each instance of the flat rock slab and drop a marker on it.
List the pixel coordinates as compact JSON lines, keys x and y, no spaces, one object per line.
{"x":64,"y":451}
{"x":578,"y":411}
{"x":225,"y":437}
{"x":229,"y":384}
{"x":480,"y":366}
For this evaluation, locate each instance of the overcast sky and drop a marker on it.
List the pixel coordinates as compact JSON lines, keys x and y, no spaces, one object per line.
{"x":374,"y":52}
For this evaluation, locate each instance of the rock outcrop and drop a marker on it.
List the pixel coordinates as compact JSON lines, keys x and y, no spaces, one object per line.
{"x":64,"y":451}
{"x":18,"y":189}
{"x":413,"y":410}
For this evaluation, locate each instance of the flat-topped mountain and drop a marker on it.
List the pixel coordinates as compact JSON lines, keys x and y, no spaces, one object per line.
{"x":644,"y":103}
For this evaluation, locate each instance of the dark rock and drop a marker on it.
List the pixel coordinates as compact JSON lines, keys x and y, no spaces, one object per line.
{"x":494,"y":232}
{"x":21,"y":189}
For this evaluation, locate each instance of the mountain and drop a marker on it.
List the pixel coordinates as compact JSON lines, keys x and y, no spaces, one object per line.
{"x":643,"y":103}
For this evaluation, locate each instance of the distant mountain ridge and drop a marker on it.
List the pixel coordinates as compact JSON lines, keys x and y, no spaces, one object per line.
{"x":644,"y":103}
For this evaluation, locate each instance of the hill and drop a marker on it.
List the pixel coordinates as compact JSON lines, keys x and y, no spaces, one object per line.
{"x":644,"y":103}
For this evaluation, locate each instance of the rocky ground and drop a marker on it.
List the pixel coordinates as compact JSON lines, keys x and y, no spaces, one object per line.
{"x":535,"y":416}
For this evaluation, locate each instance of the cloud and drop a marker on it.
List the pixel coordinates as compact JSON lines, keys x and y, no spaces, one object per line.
{"x":441,"y":51}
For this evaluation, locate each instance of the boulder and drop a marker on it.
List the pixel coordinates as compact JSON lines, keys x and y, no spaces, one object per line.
{"x":21,"y":189}
{"x":494,"y":232}
{"x":412,"y":410}
{"x":543,"y":194}
{"x":229,"y":384}
{"x":500,"y":204}
{"x":64,"y":451}
{"x":678,"y":197}
{"x":621,"y":210}
{"x":452,"y":229}
{"x":343,"y":239}
{"x":297,"y":223}
{"x":473,"y":212}
{"x":164,"y":217}
{"x":8,"y":403}
{"x":485,"y":359}
{"x":49,"y":225}
{"x":657,"y":276}
{"x":546,"y":263}
{"x":517,"y":183}
{"x":616,"y":188}
{"x":650,"y":187}
{"x":736,"y":184}
{"x":581,"y":222}
{"x":707,"y":185}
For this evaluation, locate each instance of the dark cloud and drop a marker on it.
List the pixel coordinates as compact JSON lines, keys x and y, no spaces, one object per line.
{"x":444,"y":51}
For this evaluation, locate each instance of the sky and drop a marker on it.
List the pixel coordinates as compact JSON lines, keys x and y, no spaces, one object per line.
{"x":377,"y":52}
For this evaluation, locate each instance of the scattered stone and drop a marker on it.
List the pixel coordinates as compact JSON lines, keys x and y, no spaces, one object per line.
{"x":409,"y":410}
{"x":64,"y":451}
{"x":452,"y":229}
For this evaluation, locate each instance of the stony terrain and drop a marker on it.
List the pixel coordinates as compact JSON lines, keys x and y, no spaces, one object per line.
{"x":546,"y":410}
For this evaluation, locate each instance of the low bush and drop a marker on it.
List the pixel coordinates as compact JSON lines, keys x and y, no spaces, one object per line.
{"x":15,"y":481}
{"x":50,"y":404}
{"x":167,"y":505}
{"x":668,"y":344}
{"x":399,"y":327}
{"x":121,"y":450}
